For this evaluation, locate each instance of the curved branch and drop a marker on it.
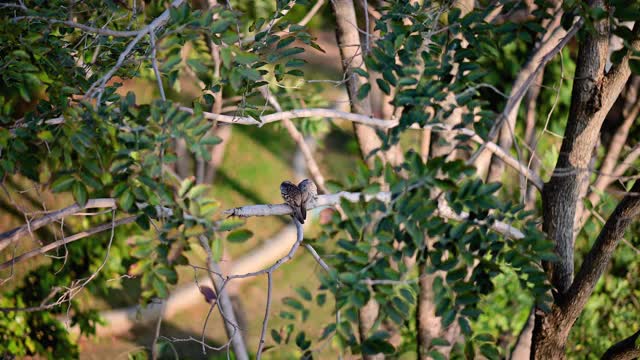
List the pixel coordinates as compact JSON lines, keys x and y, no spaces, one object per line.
{"x":596,"y":261}
{"x":155,"y":24}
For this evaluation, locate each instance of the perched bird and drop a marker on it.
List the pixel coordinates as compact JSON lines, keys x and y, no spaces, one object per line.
{"x":309,"y":193}
{"x":293,"y":197}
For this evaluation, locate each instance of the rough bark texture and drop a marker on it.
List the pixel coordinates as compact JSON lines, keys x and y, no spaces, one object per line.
{"x":551,"y":330}
{"x":594,"y":92}
{"x":592,"y":97}
{"x":631,"y":109}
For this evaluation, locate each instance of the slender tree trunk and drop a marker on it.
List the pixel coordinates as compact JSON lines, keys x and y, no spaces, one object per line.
{"x":594,"y":92}
{"x":351,"y":54}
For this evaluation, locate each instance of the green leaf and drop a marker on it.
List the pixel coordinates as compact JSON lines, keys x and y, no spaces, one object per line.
{"x":285,"y":42}
{"x":489,"y":351}
{"x":170,"y":274}
{"x":364,"y":91}
{"x":276,"y":336}
{"x":186,"y":185}
{"x":79,"y":193}
{"x":383,"y":86}
{"x":246,"y":58}
{"x":210,"y":140}
{"x":197,"y":190}
{"x":160,"y":287}
{"x":239,"y":236}
{"x":304,"y":293}
{"x":291,"y":302}
{"x":361,"y":72}
{"x":62,"y":183}
{"x":126,"y":200}
{"x":230,"y":224}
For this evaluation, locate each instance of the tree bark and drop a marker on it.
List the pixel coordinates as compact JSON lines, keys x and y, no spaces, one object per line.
{"x":351,"y":54}
{"x":429,"y":325}
{"x":352,"y":58}
{"x":592,"y":97}
{"x":552,"y":329}
{"x":594,"y":92}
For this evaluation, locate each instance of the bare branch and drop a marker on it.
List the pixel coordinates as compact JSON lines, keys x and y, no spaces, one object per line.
{"x":8,"y":237}
{"x":296,"y":135}
{"x":85,"y":28}
{"x":334,"y":199}
{"x":525,"y":80}
{"x":317,"y":257}
{"x":598,"y":257}
{"x":154,"y":350}
{"x":265,"y":322}
{"x":66,"y":240}
{"x":372,"y":121}
{"x":225,"y":306}
{"x":154,"y":64}
{"x":155,"y":24}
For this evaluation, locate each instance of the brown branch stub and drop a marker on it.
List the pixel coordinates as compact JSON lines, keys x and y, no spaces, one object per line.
{"x":626,"y":349}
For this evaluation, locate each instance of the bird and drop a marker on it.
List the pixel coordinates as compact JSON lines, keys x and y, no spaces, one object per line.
{"x":293,"y":197}
{"x":309,"y":193}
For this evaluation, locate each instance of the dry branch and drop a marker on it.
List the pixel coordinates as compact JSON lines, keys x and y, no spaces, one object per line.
{"x":8,"y":237}
{"x":66,"y":240}
{"x":376,"y":122}
{"x":334,"y":199}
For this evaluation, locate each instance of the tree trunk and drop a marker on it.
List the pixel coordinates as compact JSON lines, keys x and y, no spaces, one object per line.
{"x":351,"y":54}
{"x":589,"y":105}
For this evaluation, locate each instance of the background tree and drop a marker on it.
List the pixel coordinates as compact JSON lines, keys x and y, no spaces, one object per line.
{"x":117,"y":164}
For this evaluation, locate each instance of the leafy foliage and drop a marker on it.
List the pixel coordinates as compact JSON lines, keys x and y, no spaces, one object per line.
{"x":464,"y":255}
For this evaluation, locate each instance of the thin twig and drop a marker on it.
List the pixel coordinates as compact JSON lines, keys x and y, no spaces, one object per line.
{"x":64,"y":241}
{"x":8,"y":237}
{"x":266,"y":317}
